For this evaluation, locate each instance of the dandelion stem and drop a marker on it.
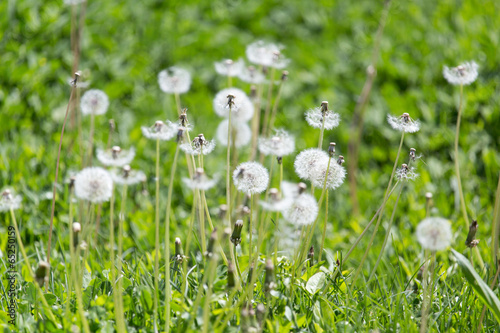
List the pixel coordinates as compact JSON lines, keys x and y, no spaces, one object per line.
{"x":91,"y":139}
{"x":269,"y":101}
{"x":483,"y":312}
{"x":121,"y":221}
{"x":201,"y":214}
{"x":210,"y":223}
{"x":323,"y":236}
{"x":256,"y":121}
{"x":157,"y":237}
{"x":250,"y":229}
{"x":427,"y":293}
{"x":228,"y":168}
{"x":75,"y":267}
{"x":112,"y":257}
{"x":495,"y":230}
{"x":178,"y":103}
{"x":275,"y":108}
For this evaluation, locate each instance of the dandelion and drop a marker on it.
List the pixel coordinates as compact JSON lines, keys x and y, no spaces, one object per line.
{"x":240,"y":105}
{"x":115,"y":157}
{"x":127,"y":176}
{"x":160,"y":130}
{"x":228,"y":67}
{"x":275,"y":203}
{"x":315,"y":117}
{"x":463,"y":74}
{"x":200,"y":181}
{"x":242,"y":133}
{"x":336,"y":174}
{"x":266,"y":54}
{"x":9,"y":201}
{"x":302,"y":210}
{"x":307,"y":162}
{"x":403,"y":123}
{"x":434,"y":233}
{"x":251,"y":177}
{"x":73,"y":2}
{"x":198,"y":146}
{"x":174,"y":80}
{"x":93,"y":184}
{"x":94,"y":102}
{"x":406,"y":173}
{"x":251,"y":75}
{"x":280,"y":144}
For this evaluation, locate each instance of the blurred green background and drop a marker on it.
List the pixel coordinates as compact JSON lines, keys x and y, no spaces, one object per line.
{"x":126,"y":43}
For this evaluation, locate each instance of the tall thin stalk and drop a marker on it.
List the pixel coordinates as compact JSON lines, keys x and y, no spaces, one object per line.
{"x":228,"y":166}
{"x":275,"y":106}
{"x":495,"y":230}
{"x":121,"y":221}
{"x":428,"y":287}
{"x":75,"y":268}
{"x":112,"y":256}
{"x":269,"y":100}
{"x":157,"y":238}
{"x":250,"y":229}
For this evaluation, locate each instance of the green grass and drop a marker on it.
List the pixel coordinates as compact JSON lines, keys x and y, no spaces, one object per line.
{"x":124,"y":45}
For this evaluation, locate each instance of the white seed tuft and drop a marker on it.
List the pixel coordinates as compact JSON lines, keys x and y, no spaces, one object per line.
{"x":93,"y":184}
{"x":251,"y":177}
{"x":9,"y":201}
{"x":242,"y":108}
{"x":463,"y":74}
{"x":115,"y":157}
{"x":227,"y":67}
{"x":280,"y":144}
{"x":242,"y":133}
{"x":307,"y":161}
{"x":266,"y":54}
{"x":160,"y":130}
{"x":434,"y":233}
{"x":174,"y":80}
{"x":94,"y":102}
{"x":302,"y":210}
{"x":127,"y":176}
{"x":403,"y":123}
{"x":314,"y":118}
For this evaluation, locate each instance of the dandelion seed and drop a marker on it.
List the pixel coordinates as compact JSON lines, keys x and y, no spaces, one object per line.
{"x":242,"y":133}
{"x":198,"y":146}
{"x":275,"y":203}
{"x":280,"y":144}
{"x":266,"y":54}
{"x":463,"y":74}
{"x":160,"y":130}
{"x":174,"y":80}
{"x":434,"y":233}
{"x":9,"y":201}
{"x":115,"y":156}
{"x":406,"y":173}
{"x":251,"y":178}
{"x":306,"y":162}
{"x":316,"y":116}
{"x":302,"y":210}
{"x":251,"y":75}
{"x":94,"y":102}
{"x":240,"y":105}
{"x":403,"y":123}
{"x":127,"y":176}
{"x":336,"y":174}
{"x":200,"y":181}
{"x":93,"y":184}
{"x":228,"y":67}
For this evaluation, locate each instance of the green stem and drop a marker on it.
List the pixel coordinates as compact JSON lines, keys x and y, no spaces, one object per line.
{"x":324,"y":229}
{"x":112,"y":255}
{"x":157,"y":238}
{"x":275,"y":109}
{"x":228,"y":168}
{"x":78,"y":288}
{"x":250,"y":229}
{"x":269,"y":100}
{"x":121,"y":221}
{"x":210,"y":223}
{"x":495,"y":230}
{"x":91,"y":139}
{"x":427,"y":294}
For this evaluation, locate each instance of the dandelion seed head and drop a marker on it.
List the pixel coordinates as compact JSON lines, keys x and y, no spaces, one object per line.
{"x":314,"y":117}
{"x":251,"y":178}
{"x":198,"y":146}
{"x":280,"y":144}
{"x":403,"y":123}
{"x":336,"y":174}
{"x":115,"y":157}
{"x":127,"y":176}
{"x":95,"y":102}
{"x":274,"y":203}
{"x":9,"y":200}
{"x":174,"y":80}
{"x":242,"y":133}
{"x":93,"y":184}
{"x":406,"y":173}
{"x":434,"y":233}
{"x":160,"y":130}
{"x":463,"y":74}
{"x":307,"y":160}
{"x":302,"y":210}
{"x":200,"y":181}
{"x":229,"y":67}
{"x":251,"y":75}
{"x":240,"y":105}
{"x":266,"y":54}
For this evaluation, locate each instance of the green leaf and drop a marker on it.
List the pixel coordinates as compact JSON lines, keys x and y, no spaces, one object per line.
{"x":315,"y":283}
{"x":482,"y":290}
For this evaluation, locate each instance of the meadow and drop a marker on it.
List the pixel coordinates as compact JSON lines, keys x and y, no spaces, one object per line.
{"x":249,"y":166}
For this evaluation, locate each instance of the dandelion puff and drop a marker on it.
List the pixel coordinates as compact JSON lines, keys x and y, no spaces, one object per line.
{"x":242,"y":133}
{"x":266,"y":54}
{"x":280,"y":144}
{"x":463,"y":74}
{"x":9,"y":200}
{"x":127,"y":176}
{"x":73,"y":2}
{"x":94,"y":102}
{"x":241,"y":108}
{"x":198,"y":146}
{"x":314,"y":117}
{"x":174,"y":80}
{"x":434,"y":233}
{"x":251,"y":178}
{"x":275,"y":203}
{"x":93,"y":184}
{"x":403,"y":123}
{"x":307,"y":161}
{"x":336,"y":174}
{"x":200,"y":181}
{"x":251,"y":75}
{"x":160,"y":130}
{"x":302,"y":210}
{"x":228,"y":67}
{"x":78,"y":83}
{"x":115,"y":157}
{"x":406,"y":173}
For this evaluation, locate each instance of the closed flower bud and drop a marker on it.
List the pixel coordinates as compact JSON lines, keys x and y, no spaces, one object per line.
{"x":211,"y":244}
{"x":236,"y":235}
{"x":77,"y":228}
{"x":471,"y":241}
{"x":230,"y":275}
{"x":331,"y":149}
{"x":178,"y":256}
{"x":41,"y":273}
{"x":310,"y":256}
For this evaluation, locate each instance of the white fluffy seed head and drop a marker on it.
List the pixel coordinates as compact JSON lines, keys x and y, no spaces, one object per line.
{"x":251,"y":177}
{"x":406,"y":173}
{"x":200,"y":181}
{"x":127,"y":176}
{"x":94,"y":102}
{"x":302,"y":210}
{"x":93,"y":184}
{"x":307,"y":160}
{"x":115,"y":157}
{"x":251,"y":75}
{"x":160,"y":130}
{"x":241,"y":108}
{"x":266,"y":54}
{"x":280,"y":144}
{"x":227,"y":67}
{"x":174,"y":80}
{"x":242,"y":133}
{"x":434,"y":233}
{"x":403,"y":123}
{"x":198,"y":146}
{"x":463,"y":74}
{"x":336,"y":174}
{"x":9,"y":200}
{"x":314,"y":118}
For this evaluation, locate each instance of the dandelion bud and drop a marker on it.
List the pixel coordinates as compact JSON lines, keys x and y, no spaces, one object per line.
{"x":302,"y":187}
{"x":230,"y":101}
{"x":77,"y":228}
{"x":413,"y":154}
{"x":71,"y":182}
{"x":331,"y":149}
{"x":112,"y":125}
{"x":230,"y":275}
{"x":183,"y":118}
{"x":279,"y":159}
{"x":253,"y":92}
{"x":310,"y":256}
{"x":247,"y":314}
{"x":370,"y":70}
{"x":41,"y":273}
{"x":250,"y":274}
{"x":340,"y":160}
{"x":236,"y":235}
{"x":211,"y":244}
{"x":428,"y":196}
{"x":284,"y":75}
{"x":324,"y":107}
{"x":179,"y":256}
{"x":471,"y":241}
{"x":180,"y":133}
{"x":269,"y":279}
